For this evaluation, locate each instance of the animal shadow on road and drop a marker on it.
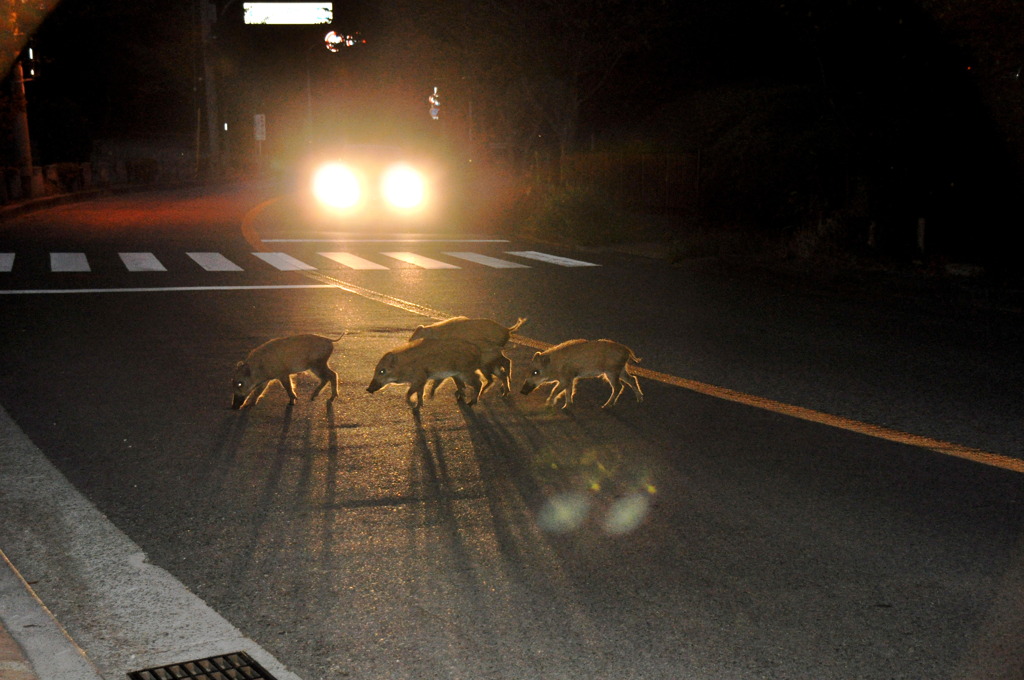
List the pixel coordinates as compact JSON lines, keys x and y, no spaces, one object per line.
{"x":573,"y":472}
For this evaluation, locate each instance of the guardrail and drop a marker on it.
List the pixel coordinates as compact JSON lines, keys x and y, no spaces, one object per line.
{"x":62,"y":179}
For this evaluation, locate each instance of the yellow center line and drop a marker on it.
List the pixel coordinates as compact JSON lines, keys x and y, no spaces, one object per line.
{"x":838,"y":422}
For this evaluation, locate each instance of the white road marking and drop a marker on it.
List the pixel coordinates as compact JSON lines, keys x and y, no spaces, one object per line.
{"x":384,"y":240}
{"x":159,"y":289}
{"x":552,"y":259}
{"x":420,"y":261}
{"x":284,"y":262}
{"x":488,"y":261}
{"x":69,"y":262}
{"x":142,"y":262}
{"x":352,"y":261}
{"x":214,"y":262}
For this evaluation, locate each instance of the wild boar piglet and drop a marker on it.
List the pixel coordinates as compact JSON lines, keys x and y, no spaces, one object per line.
{"x":571,"y":360}
{"x":279,"y":359}
{"x":425,"y":359}
{"x":490,"y":336}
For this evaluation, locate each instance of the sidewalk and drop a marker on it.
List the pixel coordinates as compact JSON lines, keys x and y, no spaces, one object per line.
{"x":113,"y":612}
{"x":33,"y":645}
{"x":22,"y":206}
{"x":17,"y":208}
{"x":27,"y":628}
{"x":13,"y":664}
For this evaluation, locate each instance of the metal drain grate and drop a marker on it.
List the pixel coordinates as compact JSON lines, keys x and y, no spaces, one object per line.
{"x":233,"y":666}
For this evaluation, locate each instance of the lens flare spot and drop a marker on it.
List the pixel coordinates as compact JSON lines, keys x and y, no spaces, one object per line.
{"x":564,"y":512}
{"x":626,"y":514}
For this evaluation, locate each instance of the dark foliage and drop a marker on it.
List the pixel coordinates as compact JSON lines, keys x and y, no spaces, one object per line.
{"x":868,"y":117}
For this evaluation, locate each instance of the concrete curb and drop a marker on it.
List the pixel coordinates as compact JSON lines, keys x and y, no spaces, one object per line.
{"x":123,"y":612}
{"x":48,"y":652}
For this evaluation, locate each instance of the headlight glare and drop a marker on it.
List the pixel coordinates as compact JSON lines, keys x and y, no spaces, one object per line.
{"x":337,"y":186}
{"x":404,"y":188}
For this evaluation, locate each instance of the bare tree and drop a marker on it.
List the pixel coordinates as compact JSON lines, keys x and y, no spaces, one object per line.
{"x":19,"y":19}
{"x":531,"y":65}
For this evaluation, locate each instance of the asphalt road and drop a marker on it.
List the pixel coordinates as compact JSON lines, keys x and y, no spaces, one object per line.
{"x":713,"y":531}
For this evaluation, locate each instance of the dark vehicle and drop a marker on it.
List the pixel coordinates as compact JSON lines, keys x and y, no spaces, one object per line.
{"x":375,"y":186}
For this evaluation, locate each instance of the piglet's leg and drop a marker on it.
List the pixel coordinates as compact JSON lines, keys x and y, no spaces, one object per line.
{"x":570,"y":393}
{"x":286,"y":383}
{"x":474,"y":383}
{"x":257,"y":393}
{"x":415,"y":388}
{"x":611,"y":397}
{"x":630,"y":381}
{"x":327,"y":377}
{"x":505,"y":374}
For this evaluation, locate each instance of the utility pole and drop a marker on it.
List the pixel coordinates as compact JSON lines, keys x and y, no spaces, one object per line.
{"x":22,"y":141}
{"x":207,"y":17}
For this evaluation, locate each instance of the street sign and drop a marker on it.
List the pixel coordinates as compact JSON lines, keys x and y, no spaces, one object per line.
{"x":435,"y":104}
{"x":288,"y":12}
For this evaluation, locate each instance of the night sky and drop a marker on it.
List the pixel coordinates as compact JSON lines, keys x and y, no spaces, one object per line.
{"x":919,"y":101}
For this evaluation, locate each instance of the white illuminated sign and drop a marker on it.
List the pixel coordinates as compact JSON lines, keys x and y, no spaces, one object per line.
{"x":288,"y":12}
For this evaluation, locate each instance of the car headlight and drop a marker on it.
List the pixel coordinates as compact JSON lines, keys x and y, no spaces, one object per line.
{"x":372,"y":189}
{"x":338,"y":187}
{"x":403,"y":188}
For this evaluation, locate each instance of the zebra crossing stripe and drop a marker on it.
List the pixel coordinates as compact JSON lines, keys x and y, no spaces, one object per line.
{"x":488,"y":261}
{"x":161,"y":289}
{"x":142,"y":262}
{"x":420,"y":261}
{"x":552,"y":259}
{"x":284,"y":262}
{"x":214,"y":262}
{"x":69,"y":262}
{"x":384,"y":240}
{"x":352,"y":261}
